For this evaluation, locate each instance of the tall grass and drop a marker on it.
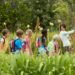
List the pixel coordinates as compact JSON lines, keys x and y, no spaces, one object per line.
{"x":21,"y":64}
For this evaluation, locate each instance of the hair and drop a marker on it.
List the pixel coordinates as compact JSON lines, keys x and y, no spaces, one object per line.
{"x":44,"y":33}
{"x":19,"y":32}
{"x":55,"y":37}
{"x":63,"y":25}
{"x":5,"y":31}
{"x":44,"y":36}
{"x":28,"y":31}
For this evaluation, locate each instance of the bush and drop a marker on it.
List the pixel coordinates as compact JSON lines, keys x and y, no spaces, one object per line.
{"x":20,"y":13}
{"x":20,"y":64}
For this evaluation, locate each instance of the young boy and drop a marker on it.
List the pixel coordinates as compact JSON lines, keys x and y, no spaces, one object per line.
{"x":64,"y":36}
{"x":28,"y":48}
{"x":53,"y":46}
{"x":5,"y":34}
{"x":18,"y":41}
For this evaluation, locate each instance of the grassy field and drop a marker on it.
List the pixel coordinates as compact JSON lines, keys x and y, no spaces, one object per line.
{"x":21,"y":64}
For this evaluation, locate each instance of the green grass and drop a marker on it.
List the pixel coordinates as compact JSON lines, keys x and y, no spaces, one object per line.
{"x":21,"y":64}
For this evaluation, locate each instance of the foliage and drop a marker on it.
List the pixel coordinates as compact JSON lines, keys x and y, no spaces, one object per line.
{"x":20,"y":64}
{"x":14,"y":13}
{"x":20,"y":13}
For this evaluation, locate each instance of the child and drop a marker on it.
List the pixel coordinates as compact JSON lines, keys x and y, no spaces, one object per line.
{"x":53,"y":46}
{"x":18,"y":41}
{"x":28,"y":48}
{"x":5,"y":34}
{"x":41,"y":42}
{"x":64,"y":36}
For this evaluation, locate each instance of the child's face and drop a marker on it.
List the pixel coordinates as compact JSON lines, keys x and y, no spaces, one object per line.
{"x":20,"y":36}
{"x":62,"y":28}
{"x":30,"y":34}
{"x":8,"y":33}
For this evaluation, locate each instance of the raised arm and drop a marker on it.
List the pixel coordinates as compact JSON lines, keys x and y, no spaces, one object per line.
{"x":69,"y":32}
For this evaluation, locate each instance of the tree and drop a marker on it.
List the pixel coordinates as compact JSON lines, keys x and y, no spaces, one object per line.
{"x":14,"y":13}
{"x":62,"y":11}
{"x":41,"y":9}
{"x":71,"y":4}
{"x":20,"y":13}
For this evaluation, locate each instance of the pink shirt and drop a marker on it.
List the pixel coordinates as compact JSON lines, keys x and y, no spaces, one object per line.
{"x":56,"y":45}
{"x":28,"y":45}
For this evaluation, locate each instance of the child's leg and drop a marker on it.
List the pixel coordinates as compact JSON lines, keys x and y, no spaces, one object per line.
{"x":68,"y":49}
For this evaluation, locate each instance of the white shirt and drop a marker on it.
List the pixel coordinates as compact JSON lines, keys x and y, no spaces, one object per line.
{"x":1,"y":40}
{"x":64,"y":36}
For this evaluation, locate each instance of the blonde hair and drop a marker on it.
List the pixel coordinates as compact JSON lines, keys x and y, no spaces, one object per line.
{"x":56,"y":36}
{"x":28,"y":31}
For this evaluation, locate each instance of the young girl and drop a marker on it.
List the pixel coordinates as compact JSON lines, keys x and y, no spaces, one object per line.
{"x":53,"y":46}
{"x":41,"y":42}
{"x":64,"y":36}
{"x":5,"y":33}
{"x":27,"y":46}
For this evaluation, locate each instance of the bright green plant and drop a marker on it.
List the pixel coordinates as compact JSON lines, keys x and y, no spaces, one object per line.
{"x":21,"y":64}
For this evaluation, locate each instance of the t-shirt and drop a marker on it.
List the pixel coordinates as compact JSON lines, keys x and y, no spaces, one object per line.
{"x":50,"y":46}
{"x":64,"y":36}
{"x":28,"y":45}
{"x":42,"y":50}
{"x":2,"y":39}
{"x":18,"y":44}
{"x":56,"y":45}
{"x":2,"y":42}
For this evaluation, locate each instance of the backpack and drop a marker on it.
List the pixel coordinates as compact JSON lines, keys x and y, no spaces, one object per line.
{"x":12,"y":45}
{"x":24,"y":45}
{"x":38,"y":42}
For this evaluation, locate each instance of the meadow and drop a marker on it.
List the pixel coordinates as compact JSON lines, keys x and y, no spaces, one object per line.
{"x":34,"y":14}
{"x":22,"y":64}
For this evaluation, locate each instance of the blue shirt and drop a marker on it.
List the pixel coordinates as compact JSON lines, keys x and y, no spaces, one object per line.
{"x":18,"y":44}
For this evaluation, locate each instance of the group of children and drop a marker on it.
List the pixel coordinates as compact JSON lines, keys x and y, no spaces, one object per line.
{"x":53,"y":46}
{"x":19,"y":44}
